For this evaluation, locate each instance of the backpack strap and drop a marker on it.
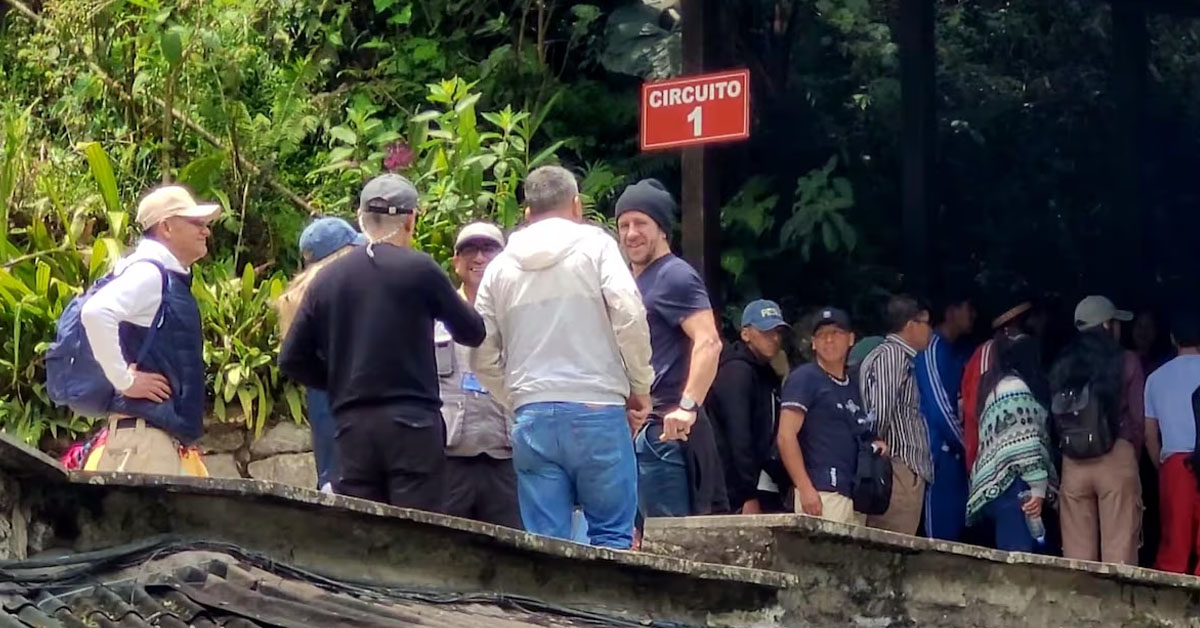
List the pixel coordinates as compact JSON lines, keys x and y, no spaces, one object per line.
{"x":162,"y":307}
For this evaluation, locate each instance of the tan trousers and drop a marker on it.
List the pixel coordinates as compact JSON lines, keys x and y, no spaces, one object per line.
{"x":837,"y":507}
{"x":908,"y":500}
{"x":139,"y":449}
{"x":1102,"y":506}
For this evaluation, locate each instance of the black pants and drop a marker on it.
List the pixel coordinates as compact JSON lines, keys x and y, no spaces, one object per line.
{"x":389,"y":458}
{"x":482,"y":488}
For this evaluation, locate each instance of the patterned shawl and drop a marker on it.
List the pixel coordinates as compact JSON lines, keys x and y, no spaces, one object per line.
{"x":1013,"y":443}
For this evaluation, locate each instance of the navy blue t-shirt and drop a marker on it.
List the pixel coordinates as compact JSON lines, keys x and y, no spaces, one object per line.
{"x":671,"y":291}
{"x":834,"y":423}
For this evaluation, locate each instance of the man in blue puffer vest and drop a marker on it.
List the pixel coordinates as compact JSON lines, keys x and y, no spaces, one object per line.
{"x":160,"y":402}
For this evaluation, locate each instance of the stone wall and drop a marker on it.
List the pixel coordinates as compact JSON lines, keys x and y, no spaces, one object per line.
{"x":856,"y":576}
{"x":283,"y":454}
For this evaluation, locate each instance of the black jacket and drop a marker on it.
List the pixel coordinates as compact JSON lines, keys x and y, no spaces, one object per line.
{"x":743,"y":406}
{"x":364,"y":331}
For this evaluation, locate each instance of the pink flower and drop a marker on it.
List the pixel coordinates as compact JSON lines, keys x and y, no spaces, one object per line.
{"x":399,"y":156}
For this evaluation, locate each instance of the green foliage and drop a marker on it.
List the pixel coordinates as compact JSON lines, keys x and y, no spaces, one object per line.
{"x":758,"y":233}
{"x":318,"y":96}
{"x":45,"y":259}
{"x":820,"y":201}
{"x":241,"y":336}
{"x":637,"y":45}
{"x":468,"y":164}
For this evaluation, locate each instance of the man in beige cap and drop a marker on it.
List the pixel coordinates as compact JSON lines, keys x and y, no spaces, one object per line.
{"x":1100,"y":423}
{"x":144,"y":330}
{"x":480,"y":481}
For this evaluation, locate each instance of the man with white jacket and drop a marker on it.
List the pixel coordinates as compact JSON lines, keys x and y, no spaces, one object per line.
{"x":567,"y":347}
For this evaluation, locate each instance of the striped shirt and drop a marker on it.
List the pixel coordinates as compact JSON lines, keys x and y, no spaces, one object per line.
{"x":889,"y":391}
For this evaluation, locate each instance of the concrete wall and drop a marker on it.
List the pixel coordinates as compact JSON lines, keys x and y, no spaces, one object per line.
{"x":853,"y":576}
{"x":358,"y":540}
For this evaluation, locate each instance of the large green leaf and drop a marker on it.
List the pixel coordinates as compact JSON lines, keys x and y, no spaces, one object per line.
{"x":172,"y":45}
{"x":102,"y":172}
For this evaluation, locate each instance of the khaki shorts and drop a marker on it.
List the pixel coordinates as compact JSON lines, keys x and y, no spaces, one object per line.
{"x":135,"y":447}
{"x":839,"y":508}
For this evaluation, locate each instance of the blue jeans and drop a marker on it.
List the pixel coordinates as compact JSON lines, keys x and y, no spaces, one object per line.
{"x":320,"y":418}
{"x":570,"y":453}
{"x":663,"y":488}
{"x":1012,"y":533}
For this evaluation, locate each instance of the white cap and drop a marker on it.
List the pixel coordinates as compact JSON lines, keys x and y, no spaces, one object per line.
{"x":479,"y":231}
{"x":1096,"y":310}
{"x":172,"y":200}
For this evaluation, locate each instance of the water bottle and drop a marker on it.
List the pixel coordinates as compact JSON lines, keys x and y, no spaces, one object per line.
{"x":1037,"y":529}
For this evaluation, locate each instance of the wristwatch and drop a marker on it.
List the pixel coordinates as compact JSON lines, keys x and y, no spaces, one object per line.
{"x":688,"y":404}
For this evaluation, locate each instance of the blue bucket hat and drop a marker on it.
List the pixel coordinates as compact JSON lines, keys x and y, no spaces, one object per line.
{"x":325,"y":236}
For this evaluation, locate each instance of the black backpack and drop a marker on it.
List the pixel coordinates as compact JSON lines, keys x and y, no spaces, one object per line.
{"x":1084,"y":426}
{"x":872,"y":482}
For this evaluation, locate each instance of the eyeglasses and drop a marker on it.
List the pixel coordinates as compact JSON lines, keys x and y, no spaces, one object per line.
{"x":199,"y":223}
{"x":474,"y":248}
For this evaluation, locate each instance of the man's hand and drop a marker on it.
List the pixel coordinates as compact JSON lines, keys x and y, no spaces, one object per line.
{"x":677,"y":425}
{"x":637,"y":410}
{"x":1033,"y":506}
{"x":881,"y":447}
{"x":752,"y":507}
{"x":810,"y":501}
{"x":150,"y":386}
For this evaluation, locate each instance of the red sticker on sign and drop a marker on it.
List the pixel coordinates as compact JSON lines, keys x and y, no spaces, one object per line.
{"x":696,"y":110}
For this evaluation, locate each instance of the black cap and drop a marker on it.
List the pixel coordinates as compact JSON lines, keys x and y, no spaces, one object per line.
{"x":650,"y":197}
{"x":832,"y":316}
{"x":388,"y":194}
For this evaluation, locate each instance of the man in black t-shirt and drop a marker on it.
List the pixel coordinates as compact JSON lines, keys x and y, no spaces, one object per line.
{"x":679,"y":468}
{"x":364,"y":332}
{"x":822,"y":424}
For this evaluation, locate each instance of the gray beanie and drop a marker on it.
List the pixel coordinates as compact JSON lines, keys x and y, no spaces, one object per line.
{"x":650,"y":197}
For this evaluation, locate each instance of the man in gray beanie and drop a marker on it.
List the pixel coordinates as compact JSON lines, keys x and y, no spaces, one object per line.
{"x":679,"y":467}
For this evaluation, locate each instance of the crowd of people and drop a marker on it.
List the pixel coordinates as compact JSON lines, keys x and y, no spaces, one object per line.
{"x":575,"y":383}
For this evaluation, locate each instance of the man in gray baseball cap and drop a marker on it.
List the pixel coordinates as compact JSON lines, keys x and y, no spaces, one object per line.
{"x":364,"y":333}
{"x":1098,"y":406}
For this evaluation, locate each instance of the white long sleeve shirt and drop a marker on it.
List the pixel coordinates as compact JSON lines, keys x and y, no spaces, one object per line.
{"x":134,"y":297}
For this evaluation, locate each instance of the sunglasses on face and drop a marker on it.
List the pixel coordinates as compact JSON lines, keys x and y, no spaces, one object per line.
{"x":474,"y":248}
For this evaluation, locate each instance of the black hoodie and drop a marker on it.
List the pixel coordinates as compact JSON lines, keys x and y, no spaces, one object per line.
{"x":743,"y":407}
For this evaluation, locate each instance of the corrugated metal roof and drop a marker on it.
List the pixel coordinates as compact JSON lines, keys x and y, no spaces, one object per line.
{"x":225,"y":591}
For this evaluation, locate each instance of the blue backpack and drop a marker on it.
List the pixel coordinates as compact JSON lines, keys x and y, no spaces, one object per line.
{"x":73,"y":376}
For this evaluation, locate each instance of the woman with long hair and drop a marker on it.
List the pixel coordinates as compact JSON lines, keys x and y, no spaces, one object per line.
{"x":1014,"y":444}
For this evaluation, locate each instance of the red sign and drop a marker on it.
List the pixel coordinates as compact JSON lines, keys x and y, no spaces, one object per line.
{"x":696,"y":110}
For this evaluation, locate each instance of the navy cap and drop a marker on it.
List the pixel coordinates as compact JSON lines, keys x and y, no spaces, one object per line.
{"x":763,"y":315}
{"x":325,"y":236}
{"x":389,"y":194}
{"x":832,"y":316}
